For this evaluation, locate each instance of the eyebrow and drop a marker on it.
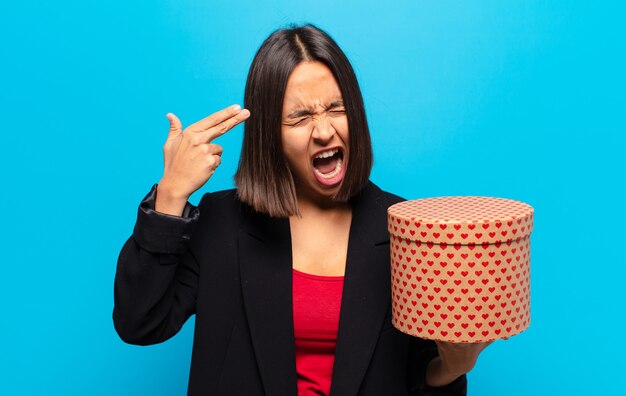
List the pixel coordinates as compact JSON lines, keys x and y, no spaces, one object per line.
{"x":306,"y":112}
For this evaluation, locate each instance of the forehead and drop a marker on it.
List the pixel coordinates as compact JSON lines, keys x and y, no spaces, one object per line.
{"x":311,"y":84}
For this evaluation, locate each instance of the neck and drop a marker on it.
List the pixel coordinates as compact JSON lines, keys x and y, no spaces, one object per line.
{"x":320,"y":206}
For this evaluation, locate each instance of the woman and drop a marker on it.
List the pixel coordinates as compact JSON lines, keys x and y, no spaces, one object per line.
{"x":288,"y":275}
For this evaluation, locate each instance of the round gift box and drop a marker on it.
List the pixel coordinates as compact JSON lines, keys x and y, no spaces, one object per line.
{"x":460,"y":267}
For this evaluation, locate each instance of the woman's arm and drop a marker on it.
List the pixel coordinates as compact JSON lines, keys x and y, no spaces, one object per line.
{"x":157,"y":276}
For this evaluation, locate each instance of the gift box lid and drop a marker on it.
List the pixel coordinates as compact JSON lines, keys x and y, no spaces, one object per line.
{"x":465,"y":220}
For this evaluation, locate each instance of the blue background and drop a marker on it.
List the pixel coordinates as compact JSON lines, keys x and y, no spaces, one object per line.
{"x":514,"y":99}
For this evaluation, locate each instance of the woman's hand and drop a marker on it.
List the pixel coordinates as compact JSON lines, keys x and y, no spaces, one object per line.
{"x":191,"y":158}
{"x":454,"y":360}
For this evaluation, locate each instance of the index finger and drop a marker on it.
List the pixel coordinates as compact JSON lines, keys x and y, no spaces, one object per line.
{"x":225,"y":126}
{"x":214,"y":119}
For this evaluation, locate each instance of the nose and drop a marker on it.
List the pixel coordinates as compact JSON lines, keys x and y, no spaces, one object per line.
{"x":323,"y":130}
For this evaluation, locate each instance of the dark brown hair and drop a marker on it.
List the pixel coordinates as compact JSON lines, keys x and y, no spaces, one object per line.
{"x":263,"y":179}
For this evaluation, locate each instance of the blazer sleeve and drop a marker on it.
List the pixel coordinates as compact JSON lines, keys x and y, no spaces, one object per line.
{"x":157,"y":275}
{"x":423,"y":352}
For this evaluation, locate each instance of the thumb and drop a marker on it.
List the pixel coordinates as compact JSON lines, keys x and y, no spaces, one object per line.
{"x":175,"y":126}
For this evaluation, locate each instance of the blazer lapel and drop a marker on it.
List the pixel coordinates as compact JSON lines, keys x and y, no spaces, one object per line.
{"x":366,"y":292}
{"x":266,"y":278}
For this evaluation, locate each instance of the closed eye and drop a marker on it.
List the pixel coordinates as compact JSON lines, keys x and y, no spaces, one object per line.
{"x":297,"y":122}
{"x":334,"y":112}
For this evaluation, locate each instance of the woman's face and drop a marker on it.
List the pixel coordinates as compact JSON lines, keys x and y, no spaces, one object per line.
{"x":314,"y":132}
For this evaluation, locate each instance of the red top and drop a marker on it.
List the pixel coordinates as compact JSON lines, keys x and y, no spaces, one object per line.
{"x":316,"y":304}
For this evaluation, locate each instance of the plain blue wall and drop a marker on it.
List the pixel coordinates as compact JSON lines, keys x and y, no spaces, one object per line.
{"x":515,"y":99}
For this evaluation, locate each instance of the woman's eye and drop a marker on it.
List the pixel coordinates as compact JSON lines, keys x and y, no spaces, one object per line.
{"x":299,"y":122}
{"x":338,"y":112}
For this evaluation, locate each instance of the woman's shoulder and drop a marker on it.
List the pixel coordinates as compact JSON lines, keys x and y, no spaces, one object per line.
{"x":380,"y":196}
{"x":224,"y":204}
{"x":220,"y":214}
{"x":219,"y":200}
{"x":222,"y":196}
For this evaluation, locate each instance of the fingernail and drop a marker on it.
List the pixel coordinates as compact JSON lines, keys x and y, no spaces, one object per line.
{"x":168,"y":116}
{"x":244,"y":113}
{"x":236,"y":107}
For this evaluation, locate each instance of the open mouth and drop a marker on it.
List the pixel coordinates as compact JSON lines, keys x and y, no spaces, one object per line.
{"x":327,"y":164}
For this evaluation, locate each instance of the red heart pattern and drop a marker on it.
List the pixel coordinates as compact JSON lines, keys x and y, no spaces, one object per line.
{"x":460,"y":267}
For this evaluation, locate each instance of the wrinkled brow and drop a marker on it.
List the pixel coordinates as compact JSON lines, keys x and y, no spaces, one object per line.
{"x":307,"y":112}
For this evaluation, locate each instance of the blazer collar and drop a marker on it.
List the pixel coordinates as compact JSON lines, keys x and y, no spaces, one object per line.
{"x":266,"y":282}
{"x":266,"y":277}
{"x":366,"y":291}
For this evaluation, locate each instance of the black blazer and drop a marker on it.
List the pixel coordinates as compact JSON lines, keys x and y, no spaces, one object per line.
{"x":232,"y":268}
